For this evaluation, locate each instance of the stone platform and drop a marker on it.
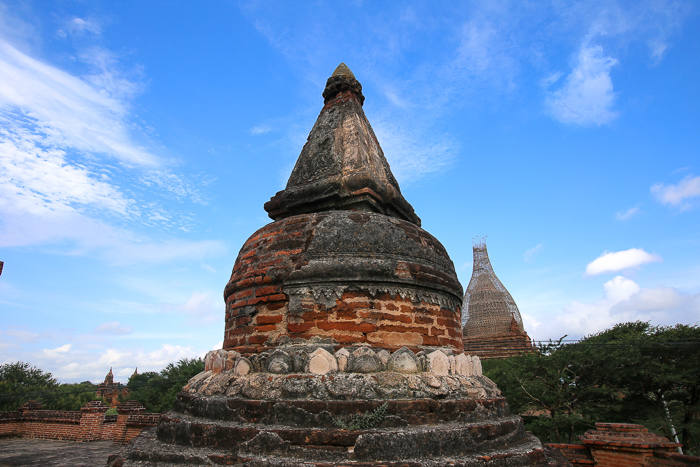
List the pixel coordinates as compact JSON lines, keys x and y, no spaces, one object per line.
{"x":50,"y":453}
{"x":375,"y":408}
{"x":228,"y":431}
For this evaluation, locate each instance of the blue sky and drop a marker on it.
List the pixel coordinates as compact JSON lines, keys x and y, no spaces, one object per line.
{"x":139,"y":141}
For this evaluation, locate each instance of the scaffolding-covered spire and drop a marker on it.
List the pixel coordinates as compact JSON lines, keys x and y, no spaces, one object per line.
{"x":488,"y":308}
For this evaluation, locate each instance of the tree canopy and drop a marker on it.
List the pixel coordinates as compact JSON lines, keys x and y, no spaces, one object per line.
{"x":629,"y":373}
{"x":157,"y":391}
{"x":21,"y":382}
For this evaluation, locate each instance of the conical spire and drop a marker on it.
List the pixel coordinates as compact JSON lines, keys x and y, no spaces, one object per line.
{"x":488,"y":308}
{"x":342,"y":166}
{"x":109,"y":379}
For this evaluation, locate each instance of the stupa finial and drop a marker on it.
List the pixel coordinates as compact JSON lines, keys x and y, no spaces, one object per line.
{"x":341,"y":166}
{"x":343,"y":70}
{"x":343,"y":82}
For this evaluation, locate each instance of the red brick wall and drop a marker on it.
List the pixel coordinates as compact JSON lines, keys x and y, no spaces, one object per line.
{"x":46,"y":424}
{"x":90,"y":424}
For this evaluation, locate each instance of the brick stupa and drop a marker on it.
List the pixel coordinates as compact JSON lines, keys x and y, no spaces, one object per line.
{"x":493,"y":327}
{"x":342,"y":343}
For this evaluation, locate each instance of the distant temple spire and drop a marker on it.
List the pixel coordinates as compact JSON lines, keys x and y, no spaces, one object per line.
{"x":341,"y":167}
{"x":492,"y":325}
{"x":109,"y":379}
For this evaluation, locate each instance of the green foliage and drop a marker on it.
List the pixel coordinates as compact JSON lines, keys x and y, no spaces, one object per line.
{"x":21,"y":382}
{"x":364,"y":420}
{"x":618,"y":375}
{"x":70,"y":396}
{"x":157,"y":391}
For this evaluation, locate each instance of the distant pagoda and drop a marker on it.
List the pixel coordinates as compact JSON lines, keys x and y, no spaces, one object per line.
{"x":492,"y":326}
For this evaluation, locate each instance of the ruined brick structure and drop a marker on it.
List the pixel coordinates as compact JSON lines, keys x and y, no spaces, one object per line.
{"x":492,"y":325}
{"x":624,"y":445}
{"x":87,"y":424}
{"x":342,"y":341}
{"x":110,"y":391}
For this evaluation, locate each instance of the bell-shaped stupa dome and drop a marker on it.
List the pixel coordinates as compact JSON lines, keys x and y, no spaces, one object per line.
{"x":342,"y":343}
{"x":492,"y":325}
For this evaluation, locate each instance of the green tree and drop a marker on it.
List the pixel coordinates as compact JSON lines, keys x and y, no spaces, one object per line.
{"x":547,"y":386}
{"x":70,"y":396}
{"x":21,"y":382}
{"x":157,"y":391}
{"x":628,"y":373}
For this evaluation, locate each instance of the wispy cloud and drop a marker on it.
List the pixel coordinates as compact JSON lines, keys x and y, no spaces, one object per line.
{"x":586,"y":97}
{"x":410,"y":155}
{"x":80,"y":364}
{"x":491,"y":44}
{"x":260,"y":129}
{"x":628,"y":214}
{"x":81,"y":26}
{"x":74,"y":165}
{"x":620,"y":260}
{"x":66,"y":110}
{"x":114,"y":328}
{"x":529,"y":255}
{"x":680,"y":195}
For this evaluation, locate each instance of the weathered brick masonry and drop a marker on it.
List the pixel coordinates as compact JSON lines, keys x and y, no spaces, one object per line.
{"x":624,"y":445}
{"x":282,"y":257}
{"x":88,"y":424}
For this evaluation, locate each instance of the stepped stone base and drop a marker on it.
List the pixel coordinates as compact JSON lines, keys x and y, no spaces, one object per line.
{"x":303,"y":428}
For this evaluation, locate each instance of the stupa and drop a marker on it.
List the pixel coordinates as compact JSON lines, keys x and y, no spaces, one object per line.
{"x":343,"y":341}
{"x":493,"y":327}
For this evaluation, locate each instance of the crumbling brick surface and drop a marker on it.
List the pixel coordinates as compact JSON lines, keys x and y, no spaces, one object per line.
{"x":354,"y":277}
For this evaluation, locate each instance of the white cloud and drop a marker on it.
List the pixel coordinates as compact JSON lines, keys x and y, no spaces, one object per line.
{"x":678,"y":195}
{"x":260,"y":129}
{"x":478,"y":50}
{"x":80,"y":26}
{"x":619,"y":260}
{"x":529,"y":255}
{"x":71,"y":364}
{"x":628,"y":214}
{"x":58,"y":135}
{"x":203,"y":308}
{"x":624,"y":301}
{"x":40,"y":180}
{"x":67,"y":111}
{"x":587,"y":96}
{"x":114,"y":328}
{"x":486,"y":57}
{"x":410,"y":152}
{"x":24,"y":336}
{"x":79,"y":366}
{"x":58,"y":352}
{"x":547,"y":81}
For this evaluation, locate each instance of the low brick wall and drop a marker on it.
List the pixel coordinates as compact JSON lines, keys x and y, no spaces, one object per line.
{"x":88,"y":424}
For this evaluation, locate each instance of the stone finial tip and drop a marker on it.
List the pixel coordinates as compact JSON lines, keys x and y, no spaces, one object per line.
{"x":343,"y":70}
